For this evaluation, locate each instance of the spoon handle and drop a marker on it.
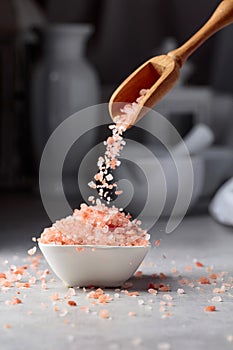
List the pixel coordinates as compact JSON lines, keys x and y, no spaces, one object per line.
{"x":222,"y":16}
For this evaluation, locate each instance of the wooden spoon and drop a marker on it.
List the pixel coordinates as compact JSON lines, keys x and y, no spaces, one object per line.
{"x":160,"y":73}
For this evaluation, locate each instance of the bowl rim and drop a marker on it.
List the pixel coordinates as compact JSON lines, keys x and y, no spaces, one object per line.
{"x":93,"y":246}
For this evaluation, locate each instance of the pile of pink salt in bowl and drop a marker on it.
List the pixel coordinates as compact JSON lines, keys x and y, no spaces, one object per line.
{"x":96,"y":225}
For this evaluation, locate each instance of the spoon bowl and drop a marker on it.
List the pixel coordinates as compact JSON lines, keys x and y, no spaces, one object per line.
{"x":100,"y":266}
{"x":157,"y":75}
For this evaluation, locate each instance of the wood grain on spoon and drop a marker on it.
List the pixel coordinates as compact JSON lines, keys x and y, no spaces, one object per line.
{"x":159,"y":74}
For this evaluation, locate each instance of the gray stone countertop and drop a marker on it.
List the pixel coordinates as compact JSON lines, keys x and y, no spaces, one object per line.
{"x":164,"y":321}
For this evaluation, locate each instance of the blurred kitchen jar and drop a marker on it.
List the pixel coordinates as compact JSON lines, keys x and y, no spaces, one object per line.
{"x":63,"y":83}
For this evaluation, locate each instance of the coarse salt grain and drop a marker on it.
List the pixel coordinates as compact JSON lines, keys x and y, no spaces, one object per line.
{"x":152,"y":291}
{"x":217,"y":298}
{"x":180,"y":291}
{"x":138,"y":274}
{"x":199,"y":264}
{"x":104,"y":313}
{"x":210,"y":308}
{"x":32,"y":251}
{"x":72,"y":303}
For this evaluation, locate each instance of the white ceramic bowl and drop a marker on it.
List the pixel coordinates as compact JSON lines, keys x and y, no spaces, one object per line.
{"x":102,"y":266}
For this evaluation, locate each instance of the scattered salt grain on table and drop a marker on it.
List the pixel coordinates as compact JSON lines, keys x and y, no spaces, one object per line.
{"x":217,"y":298}
{"x":180,"y":291}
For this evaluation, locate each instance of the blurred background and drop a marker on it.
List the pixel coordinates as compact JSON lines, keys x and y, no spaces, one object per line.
{"x":60,"y":56}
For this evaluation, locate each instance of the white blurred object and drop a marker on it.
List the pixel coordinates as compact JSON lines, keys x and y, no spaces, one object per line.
{"x":197,"y":140}
{"x":221,"y":206}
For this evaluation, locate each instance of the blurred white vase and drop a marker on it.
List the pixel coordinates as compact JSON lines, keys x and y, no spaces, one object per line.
{"x":63,"y":83}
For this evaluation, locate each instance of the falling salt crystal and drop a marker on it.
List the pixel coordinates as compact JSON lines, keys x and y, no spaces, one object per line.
{"x":109,"y":177}
{"x":141,"y":302}
{"x":116,"y":295}
{"x":91,"y":184}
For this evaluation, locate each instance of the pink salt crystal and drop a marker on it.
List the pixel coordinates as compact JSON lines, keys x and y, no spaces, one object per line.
{"x":104,"y":313}
{"x":32,"y":280}
{"x":55,"y":296}
{"x":118,"y":192}
{"x":138,"y":274}
{"x":89,"y":225}
{"x":152,"y":291}
{"x":91,"y":184}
